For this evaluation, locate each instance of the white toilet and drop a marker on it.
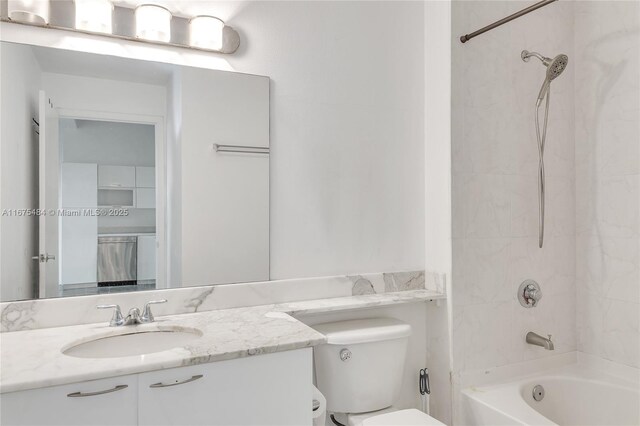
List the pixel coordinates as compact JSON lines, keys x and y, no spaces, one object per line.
{"x":359,"y":371}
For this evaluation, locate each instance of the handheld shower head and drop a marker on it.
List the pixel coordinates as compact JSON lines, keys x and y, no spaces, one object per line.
{"x":555,"y":67}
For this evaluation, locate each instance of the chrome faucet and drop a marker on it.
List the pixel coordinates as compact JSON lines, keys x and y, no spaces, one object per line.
{"x":134,"y":316}
{"x":536,"y":339}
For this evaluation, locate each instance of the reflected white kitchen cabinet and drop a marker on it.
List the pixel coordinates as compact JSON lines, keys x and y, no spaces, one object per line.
{"x":116,"y":176}
{"x":145,"y":177}
{"x":78,"y":231}
{"x":145,"y":198}
{"x":146,"y":257}
{"x":78,"y":185}
{"x":78,"y":249}
{"x":272,"y":389}
{"x":54,"y":406}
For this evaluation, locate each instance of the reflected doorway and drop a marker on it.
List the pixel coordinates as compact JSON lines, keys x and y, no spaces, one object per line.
{"x":108,"y":212}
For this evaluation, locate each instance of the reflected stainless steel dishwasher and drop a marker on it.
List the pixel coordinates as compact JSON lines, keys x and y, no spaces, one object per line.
{"x":117,"y":260}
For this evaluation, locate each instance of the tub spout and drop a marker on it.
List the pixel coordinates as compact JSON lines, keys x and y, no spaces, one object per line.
{"x":536,"y":339}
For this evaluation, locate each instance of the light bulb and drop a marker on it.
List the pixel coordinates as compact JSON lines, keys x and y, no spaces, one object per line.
{"x":29,"y":11}
{"x":94,"y":15}
{"x":206,"y":32}
{"x":153,"y":22}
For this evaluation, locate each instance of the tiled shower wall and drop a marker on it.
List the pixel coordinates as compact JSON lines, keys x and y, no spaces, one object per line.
{"x":494,"y":188}
{"x":607,"y":70}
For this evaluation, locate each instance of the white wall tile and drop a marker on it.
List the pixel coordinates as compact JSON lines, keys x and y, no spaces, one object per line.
{"x":607,"y":91}
{"x":495,"y":187}
{"x":484,"y":277}
{"x":485,"y":205}
{"x":621,"y":332}
{"x":489,"y":335}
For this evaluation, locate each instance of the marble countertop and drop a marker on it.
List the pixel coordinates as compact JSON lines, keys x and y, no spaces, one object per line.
{"x":33,"y":358}
{"x":335,"y":304}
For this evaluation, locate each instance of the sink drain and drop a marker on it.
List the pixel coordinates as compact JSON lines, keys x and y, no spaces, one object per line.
{"x":538,"y":392}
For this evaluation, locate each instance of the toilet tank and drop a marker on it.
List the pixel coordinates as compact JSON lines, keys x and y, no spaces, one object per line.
{"x":360,"y":367}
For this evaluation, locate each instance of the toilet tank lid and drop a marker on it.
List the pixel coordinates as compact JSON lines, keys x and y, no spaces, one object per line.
{"x":363,"y":330}
{"x":410,"y":417}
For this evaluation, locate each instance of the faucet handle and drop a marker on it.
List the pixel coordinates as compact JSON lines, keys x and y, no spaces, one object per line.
{"x":529,"y":293}
{"x":147,"y":315}
{"x":117,"y":319}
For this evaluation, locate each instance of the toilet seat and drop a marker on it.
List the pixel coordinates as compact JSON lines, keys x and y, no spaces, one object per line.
{"x":410,"y":417}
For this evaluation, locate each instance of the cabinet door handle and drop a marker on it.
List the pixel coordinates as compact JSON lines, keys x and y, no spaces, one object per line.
{"x":164,"y":385}
{"x":83,"y":394}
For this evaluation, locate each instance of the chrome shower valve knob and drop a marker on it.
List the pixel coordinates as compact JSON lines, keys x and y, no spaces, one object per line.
{"x":529,"y":293}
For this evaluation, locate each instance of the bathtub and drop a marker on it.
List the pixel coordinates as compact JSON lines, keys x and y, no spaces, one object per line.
{"x":574,"y":395}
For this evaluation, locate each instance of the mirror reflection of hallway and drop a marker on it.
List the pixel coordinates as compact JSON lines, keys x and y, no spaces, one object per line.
{"x":108,"y":207}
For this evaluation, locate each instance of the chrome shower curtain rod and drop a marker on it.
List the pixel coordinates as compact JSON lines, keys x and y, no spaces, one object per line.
{"x":523,"y":12}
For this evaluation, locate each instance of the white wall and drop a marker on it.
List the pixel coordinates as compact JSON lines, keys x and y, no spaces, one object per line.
{"x":494,"y":190}
{"x":20,"y":75}
{"x":607,"y":70}
{"x":97,"y":94}
{"x":347,"y":125}
{"x":107,"y":143}
{"x":224,"y":196}
{"x":347,"y":128}
{"x":437,"y":164}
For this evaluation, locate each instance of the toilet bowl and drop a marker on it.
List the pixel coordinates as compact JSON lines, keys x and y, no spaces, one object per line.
{"x":359,"y":371}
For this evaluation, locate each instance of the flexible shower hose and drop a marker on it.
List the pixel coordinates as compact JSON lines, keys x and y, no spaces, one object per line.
{"x":541,"y":181}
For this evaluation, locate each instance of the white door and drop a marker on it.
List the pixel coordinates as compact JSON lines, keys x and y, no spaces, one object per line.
{"x":48,"y":271}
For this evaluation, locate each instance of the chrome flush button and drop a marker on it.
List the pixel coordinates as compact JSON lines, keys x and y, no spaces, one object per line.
{"x":345,"y":354}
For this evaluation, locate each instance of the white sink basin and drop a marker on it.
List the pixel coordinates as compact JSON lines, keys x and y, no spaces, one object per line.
{"x":138,"y":342}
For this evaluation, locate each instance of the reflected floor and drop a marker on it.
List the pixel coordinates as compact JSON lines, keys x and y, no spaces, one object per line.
{"x":87,"y":291}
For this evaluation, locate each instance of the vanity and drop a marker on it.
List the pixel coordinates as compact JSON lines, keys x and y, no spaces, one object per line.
{"x":237,"y":366}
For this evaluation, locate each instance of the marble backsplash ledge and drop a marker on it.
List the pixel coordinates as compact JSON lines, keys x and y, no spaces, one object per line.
{"x":59,"y":312}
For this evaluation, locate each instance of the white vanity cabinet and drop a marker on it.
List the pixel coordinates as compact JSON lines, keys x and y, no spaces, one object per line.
{"x":273,"y":389}
{"x":103,"y":402}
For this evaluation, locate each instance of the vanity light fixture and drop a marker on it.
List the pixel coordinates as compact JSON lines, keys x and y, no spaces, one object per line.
{"x":205,"y":32}
{"x":94,"y":15}
{"x":153,"y":22}
{"x":30,"y":11}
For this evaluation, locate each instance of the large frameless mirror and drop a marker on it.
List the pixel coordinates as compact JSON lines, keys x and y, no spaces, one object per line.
{"x":125,"y":175}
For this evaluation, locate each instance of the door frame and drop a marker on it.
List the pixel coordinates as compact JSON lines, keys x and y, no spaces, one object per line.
{"x":162,"y":263}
